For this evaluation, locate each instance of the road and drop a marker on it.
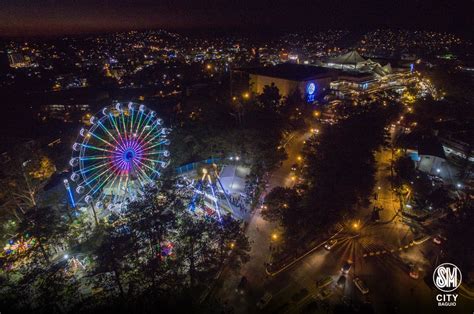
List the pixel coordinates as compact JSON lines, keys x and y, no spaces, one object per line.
{"x":260,"y":233}
{"x":386,"y":272}
{"x":380,"y":253}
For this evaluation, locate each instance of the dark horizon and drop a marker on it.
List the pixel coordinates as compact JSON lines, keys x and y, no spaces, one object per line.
{"x":50,"y":18}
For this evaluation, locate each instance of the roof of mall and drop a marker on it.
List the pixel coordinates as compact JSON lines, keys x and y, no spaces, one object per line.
{"x":293,"y":72}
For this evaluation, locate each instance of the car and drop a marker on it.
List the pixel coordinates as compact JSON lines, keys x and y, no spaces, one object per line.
{"x":294,"y":167}
{"x":242,"y":285}
{"x":324,"y":282}
{"x":341,"y":281}
{"x":264,"y":300}
{"x":361,"y":285}
{"x":413,"y":272}
{"x":421,"y":239}
{"x":325,"y":293}
{"x":346,"y":267}
{"x":439,"y":239}
{"x":329,"y":244}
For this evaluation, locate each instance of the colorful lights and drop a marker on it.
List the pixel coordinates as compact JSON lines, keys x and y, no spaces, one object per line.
{"x":19,"y":246}
{"x":166,"y":249}
{"x":310,"y":91}
{"x":123,"y":149}
{"x":311,"y":88}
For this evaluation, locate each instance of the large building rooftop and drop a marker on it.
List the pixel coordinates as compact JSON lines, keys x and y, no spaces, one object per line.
{"x":291,"y":71}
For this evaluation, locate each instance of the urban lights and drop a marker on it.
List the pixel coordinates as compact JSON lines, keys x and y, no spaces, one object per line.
{"x":356,"y":225}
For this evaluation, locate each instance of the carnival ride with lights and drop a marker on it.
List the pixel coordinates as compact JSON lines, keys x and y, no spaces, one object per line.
{"x":19,"y":245}
{"x":16,"y":246}
{"x":123,"y":150}
{"x":208,"y":196}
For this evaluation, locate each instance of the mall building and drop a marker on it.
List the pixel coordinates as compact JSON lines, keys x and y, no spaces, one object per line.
{"x":343,"y":76}
{"x":311,"y":81}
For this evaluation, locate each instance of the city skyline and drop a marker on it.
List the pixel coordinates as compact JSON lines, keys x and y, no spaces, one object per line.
{"x":51,"y":18}
{"x":236,"y":157}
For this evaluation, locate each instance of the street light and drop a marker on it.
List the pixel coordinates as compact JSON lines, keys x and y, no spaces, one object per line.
{"x":274,"y":236}
{"x":356,"y":225}
{"x":28,"y":185}
{"x":246,"y":95}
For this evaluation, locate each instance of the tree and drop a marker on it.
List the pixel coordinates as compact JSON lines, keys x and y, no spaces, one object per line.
{"x":338,"y":174}
{"x":46,"y":226}
{"x":112,"y":254}
{"x":458,"y":229}
{"x":270,"y":97}
{"x":22,"y":178}
{"x":404,"y":168}
{"x":207,"y":244}
{"x":283,"y":205}
{"x":151,"y":220}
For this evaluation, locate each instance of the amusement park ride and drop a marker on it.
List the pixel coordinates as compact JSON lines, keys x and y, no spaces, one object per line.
{"x":123,"y":150}
{"x":207,"y":192}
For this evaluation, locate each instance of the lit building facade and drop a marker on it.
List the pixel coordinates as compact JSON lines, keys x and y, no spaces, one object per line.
{"x":311,"y":81}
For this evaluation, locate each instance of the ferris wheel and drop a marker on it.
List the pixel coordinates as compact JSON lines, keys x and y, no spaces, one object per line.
{"x":122,"y":150}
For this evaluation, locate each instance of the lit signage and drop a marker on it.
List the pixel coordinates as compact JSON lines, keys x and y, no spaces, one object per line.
{"x":310,"y":91}
{"x":311,"y":88}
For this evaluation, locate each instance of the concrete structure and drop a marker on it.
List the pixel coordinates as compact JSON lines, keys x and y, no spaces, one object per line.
{"x":345,"y":75}
{"x":348,"y":82}
{"x":311,"y":81}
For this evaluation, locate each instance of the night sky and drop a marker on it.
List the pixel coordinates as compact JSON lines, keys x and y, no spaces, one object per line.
{"x":50,"y":17}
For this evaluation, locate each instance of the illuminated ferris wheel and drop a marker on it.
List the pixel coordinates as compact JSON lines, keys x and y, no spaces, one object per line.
{"x":122,"y":150}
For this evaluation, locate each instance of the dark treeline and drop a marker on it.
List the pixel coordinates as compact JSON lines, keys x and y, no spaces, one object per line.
{"x":338,"y":172}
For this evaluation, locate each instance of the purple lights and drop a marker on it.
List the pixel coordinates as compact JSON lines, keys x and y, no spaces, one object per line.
{"x":124,"y":148}
{"x":128,"y":156}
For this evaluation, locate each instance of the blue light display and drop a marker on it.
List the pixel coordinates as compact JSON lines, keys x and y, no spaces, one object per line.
{"x":310,"y":91}
{"x":70,"y":194}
